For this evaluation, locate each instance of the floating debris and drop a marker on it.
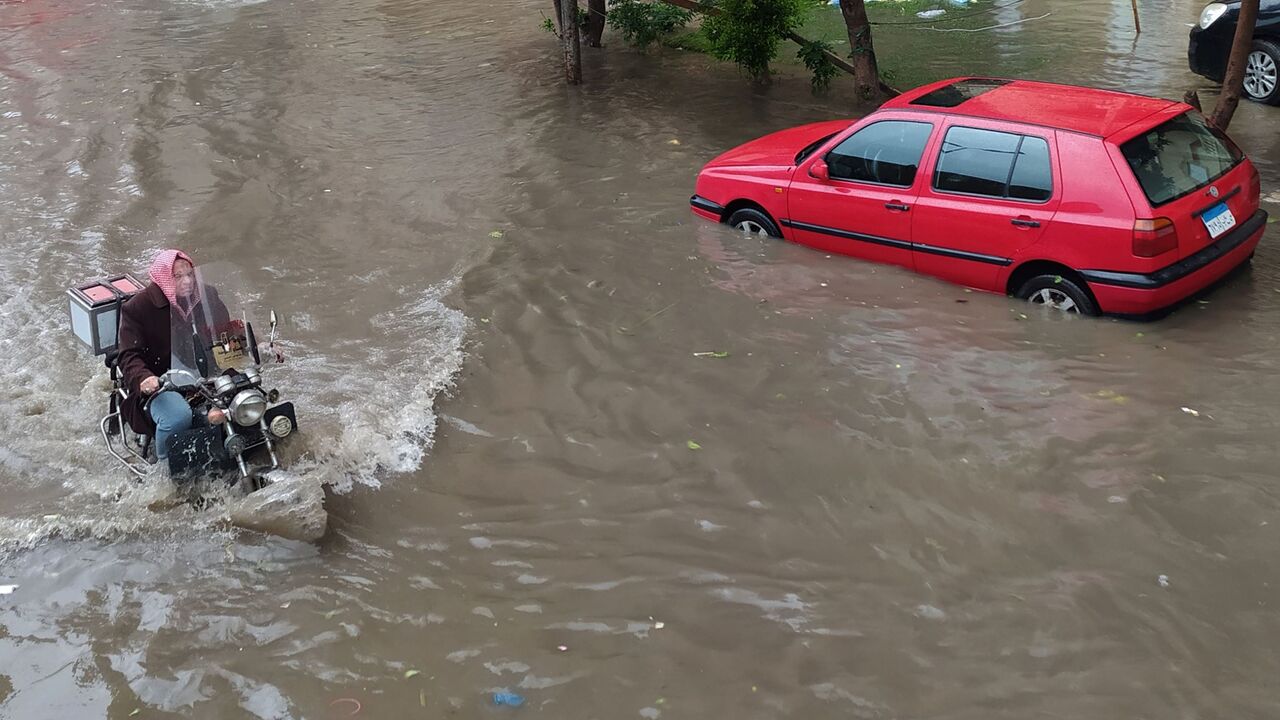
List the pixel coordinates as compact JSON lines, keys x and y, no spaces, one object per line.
{"x":509,"y":699}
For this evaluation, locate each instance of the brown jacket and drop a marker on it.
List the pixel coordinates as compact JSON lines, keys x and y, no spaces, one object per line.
{"x":146,"y":330}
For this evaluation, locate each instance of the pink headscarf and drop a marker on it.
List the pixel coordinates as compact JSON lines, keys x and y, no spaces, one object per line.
{"x":162,"y":275}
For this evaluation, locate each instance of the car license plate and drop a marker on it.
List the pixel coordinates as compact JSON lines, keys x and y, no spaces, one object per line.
{"x":1218,"y":220}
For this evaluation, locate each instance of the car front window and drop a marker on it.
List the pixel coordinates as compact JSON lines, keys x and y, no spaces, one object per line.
{"x":885,"y":153}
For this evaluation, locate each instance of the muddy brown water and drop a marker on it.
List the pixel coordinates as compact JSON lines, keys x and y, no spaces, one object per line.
{"x":906,"y":501}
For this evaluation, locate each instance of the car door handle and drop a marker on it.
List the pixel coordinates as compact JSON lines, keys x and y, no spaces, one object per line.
{"x":900,"y":207}
{"x":1025,"y":222}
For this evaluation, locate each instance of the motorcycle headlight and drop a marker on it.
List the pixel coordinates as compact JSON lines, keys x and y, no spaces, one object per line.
{"x":1210,"y":14}
{"x":247,"y":407}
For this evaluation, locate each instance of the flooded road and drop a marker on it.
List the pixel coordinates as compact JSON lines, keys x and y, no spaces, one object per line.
{"x":892,"y":499}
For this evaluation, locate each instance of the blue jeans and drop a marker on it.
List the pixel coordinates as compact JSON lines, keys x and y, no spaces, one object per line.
{"x":172,"y":414}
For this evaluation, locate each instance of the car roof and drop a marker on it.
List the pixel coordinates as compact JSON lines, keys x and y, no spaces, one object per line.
{"x":1065,"y":107}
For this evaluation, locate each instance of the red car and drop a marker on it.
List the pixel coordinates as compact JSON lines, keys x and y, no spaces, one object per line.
{"x":1085,"y":200}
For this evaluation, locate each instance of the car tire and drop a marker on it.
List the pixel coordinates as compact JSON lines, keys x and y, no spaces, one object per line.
{"x":1058,"y":292}
{"x":754,"y":222}
{"x":1262,"y":73}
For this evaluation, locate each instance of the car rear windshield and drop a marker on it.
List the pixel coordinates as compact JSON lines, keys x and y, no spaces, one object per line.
{"x":1179,"y":157}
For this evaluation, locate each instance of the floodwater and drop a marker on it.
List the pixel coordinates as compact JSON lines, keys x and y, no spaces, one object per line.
{"x":892,"y":499}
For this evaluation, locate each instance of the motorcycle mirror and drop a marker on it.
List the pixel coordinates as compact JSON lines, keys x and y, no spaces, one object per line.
{"x":273,"y":320}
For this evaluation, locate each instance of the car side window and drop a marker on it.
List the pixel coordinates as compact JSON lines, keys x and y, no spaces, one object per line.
{"x":994,"y":164}
{"x":1032,"y":177}
{"x":886,"y":153}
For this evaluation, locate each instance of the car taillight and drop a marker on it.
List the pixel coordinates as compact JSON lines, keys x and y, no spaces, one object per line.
{"x":1154,"y":237}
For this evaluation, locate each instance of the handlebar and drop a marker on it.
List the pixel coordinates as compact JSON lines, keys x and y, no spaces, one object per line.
{"x":167,"y":384}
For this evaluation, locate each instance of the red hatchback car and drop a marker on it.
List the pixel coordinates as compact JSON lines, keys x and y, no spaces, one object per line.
{"x":1085,"y":200}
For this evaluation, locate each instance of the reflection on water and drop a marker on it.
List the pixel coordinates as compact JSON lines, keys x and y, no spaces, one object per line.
{"x":681,"y":472}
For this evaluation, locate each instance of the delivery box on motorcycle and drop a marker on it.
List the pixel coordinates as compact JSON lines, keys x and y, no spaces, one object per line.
{"x":95,"y":310}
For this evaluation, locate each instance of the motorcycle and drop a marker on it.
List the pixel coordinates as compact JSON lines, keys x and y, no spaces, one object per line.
{"x":216,"y":363}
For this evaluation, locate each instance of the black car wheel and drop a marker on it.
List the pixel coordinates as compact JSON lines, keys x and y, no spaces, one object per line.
{"x":1059,"y":293}
{"x":753,"y":222}
{"x":1260,"y":72}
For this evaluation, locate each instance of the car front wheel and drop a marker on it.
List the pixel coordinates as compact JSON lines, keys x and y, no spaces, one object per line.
{"x":753,"y":222}
{"x":1059,"y":293}
{"x":1260,"y":72}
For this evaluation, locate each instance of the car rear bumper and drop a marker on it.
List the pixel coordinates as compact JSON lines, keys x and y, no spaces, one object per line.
{"x":1123,"y":293}
{"x":705,"y":208}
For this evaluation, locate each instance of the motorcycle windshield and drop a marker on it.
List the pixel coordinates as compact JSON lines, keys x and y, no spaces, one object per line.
{"x":209,"y":335}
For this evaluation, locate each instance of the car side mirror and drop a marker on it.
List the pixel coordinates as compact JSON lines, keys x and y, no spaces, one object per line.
{"x":819,"y":170}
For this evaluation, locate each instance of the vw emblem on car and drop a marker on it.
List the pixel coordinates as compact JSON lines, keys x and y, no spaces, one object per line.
{"x":1213,"y":190}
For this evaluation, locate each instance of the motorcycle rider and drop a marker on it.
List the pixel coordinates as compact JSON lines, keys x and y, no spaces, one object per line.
{"x":155,"y":332}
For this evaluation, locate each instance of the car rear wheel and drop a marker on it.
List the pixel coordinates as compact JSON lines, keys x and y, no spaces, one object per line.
{"x":1261,"y":82}
{"x":753,"y":222}
{"x":1059,"y":293}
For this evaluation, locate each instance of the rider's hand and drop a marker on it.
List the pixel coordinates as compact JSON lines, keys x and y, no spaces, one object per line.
{"x":216,"y":417}
{"x":150,"y":385}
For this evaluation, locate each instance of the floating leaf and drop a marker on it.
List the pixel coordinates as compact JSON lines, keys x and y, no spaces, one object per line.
{"x":1057,"y":279}
{"x":1138,"y":335}
{"x":693,"y":445}
{"x":410,"y":673}
{"x":135,"y":712}
{"x":673,"y":141}
{"x":496,"y":234}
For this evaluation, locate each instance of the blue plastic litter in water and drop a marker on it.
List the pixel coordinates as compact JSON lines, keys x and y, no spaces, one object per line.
{"x":507,"y":698}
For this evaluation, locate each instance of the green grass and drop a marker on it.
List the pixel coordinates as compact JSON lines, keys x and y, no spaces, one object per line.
{"x":908,"y":55}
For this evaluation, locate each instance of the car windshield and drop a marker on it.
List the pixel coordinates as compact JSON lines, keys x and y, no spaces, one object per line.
{"x":812,"y":147}
{"x":1179,"y":157}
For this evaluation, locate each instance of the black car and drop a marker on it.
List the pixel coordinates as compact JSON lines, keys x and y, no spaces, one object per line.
{"x":1211,"y":45}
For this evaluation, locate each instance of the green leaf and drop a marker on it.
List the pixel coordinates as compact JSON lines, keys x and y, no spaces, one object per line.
{"x":409,"y":673}
{"x":496,"y":234}
{"x":1057,"y":279}
{"x":693,"y":445}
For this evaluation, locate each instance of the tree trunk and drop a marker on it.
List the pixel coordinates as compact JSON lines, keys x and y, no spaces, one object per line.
{"x":866,"y":76}
{"x":570,"y":40}
{"x":1233,"y":83}
{"x":595,"y":22}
